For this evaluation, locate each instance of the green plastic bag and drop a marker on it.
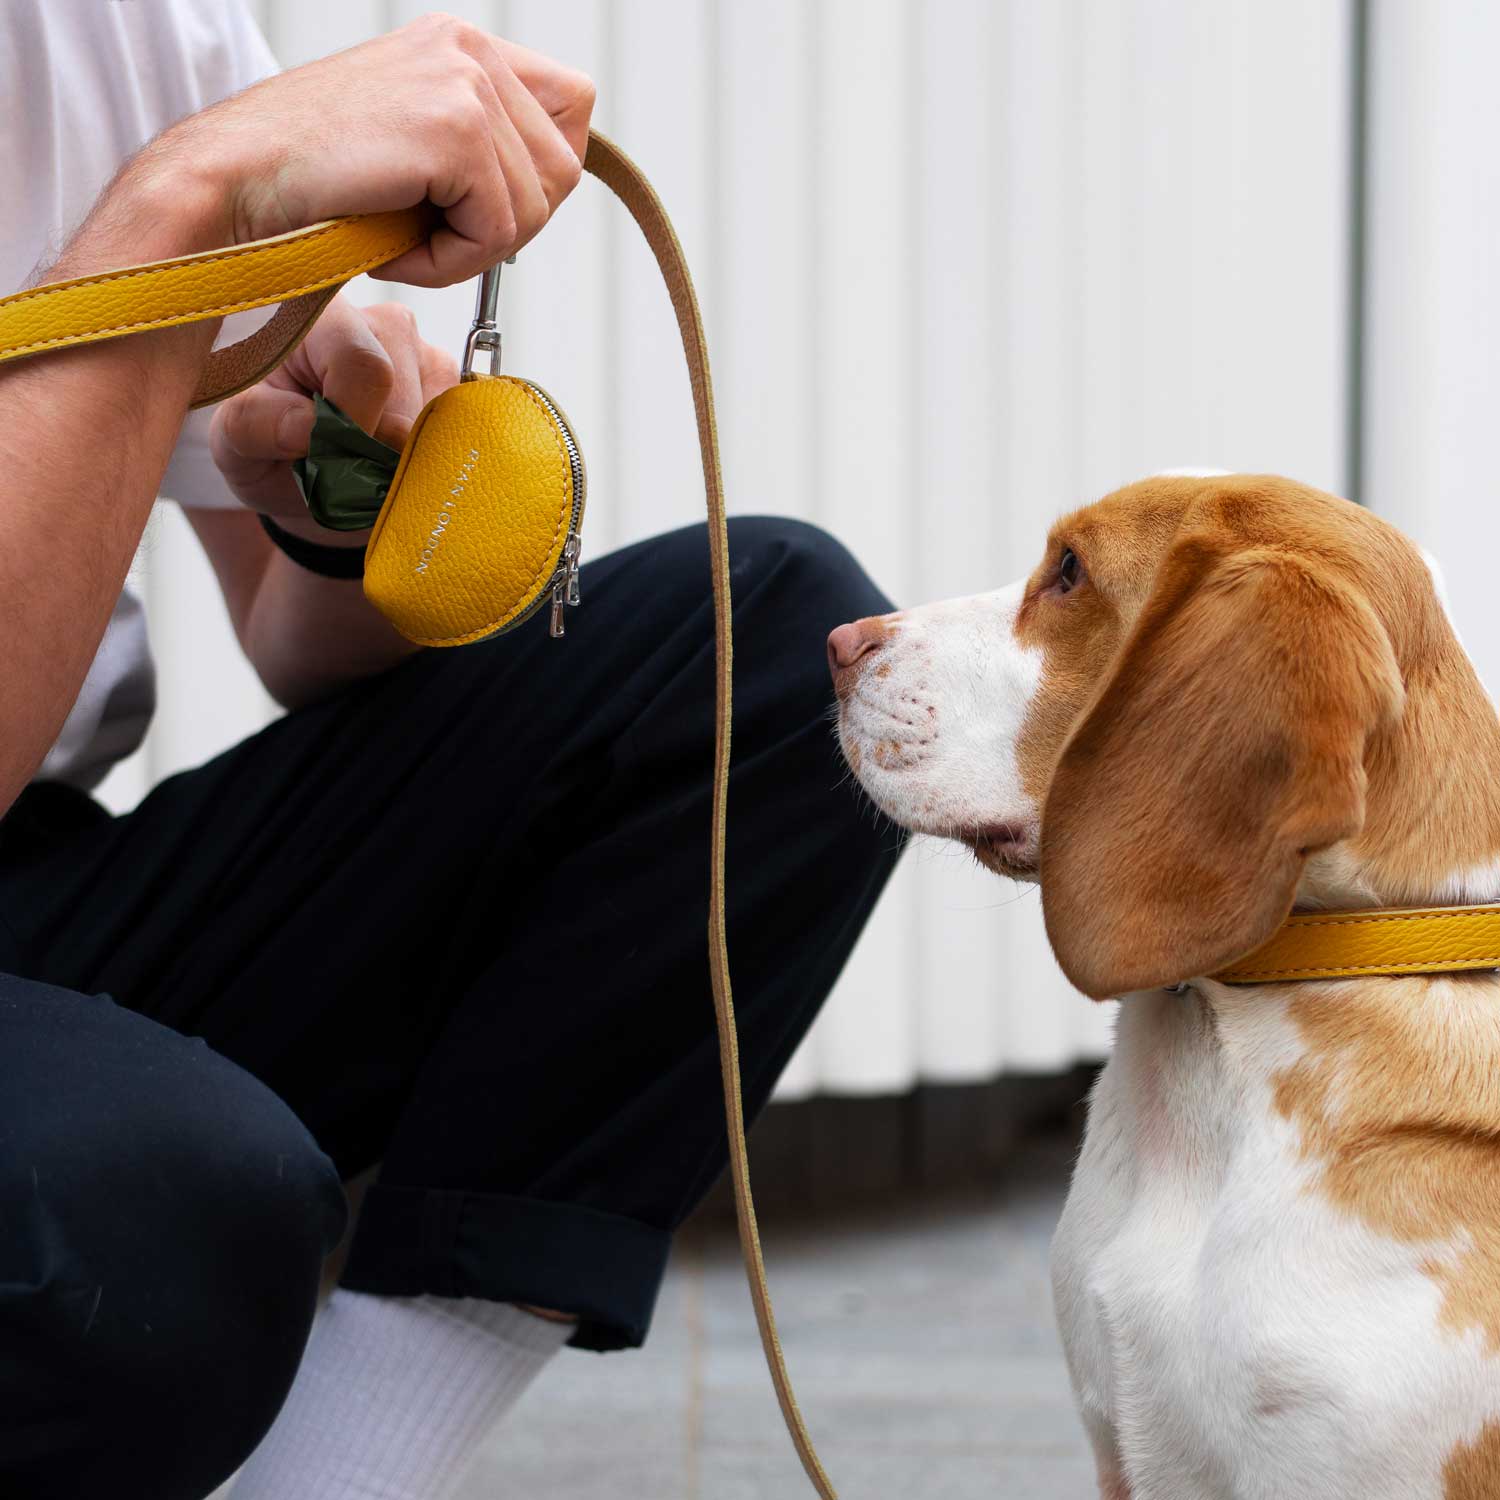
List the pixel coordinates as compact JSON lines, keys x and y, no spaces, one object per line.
{"x":346,"y":473}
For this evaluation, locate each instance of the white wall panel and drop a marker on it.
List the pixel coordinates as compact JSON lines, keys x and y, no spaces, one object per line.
{"x":1433,"y":298}
{"x":1111,"y":316}
{"x":664,"y":115}
{"x":965,"y":264}
{"x":764,"y":369}
{"x":862,"y":255}
{"x":863,"y":353}
{"x":1039,"y":228}
{"x":954,"y":296}
{"x":765,"y":375}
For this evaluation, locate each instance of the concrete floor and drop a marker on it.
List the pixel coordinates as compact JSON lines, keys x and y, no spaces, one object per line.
{"x":920,"y":1339}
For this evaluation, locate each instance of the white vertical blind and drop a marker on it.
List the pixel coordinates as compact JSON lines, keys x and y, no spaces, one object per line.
{"x":859,"y":248}
{"x":1433,"y":298}
{"x":965,"y":264}
{"x":956,"y":531}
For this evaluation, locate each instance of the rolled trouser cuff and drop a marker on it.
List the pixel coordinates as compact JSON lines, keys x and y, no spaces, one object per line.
{"x":603,"y":1268}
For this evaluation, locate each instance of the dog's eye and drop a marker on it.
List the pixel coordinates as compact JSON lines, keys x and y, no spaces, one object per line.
{"x":1069,"y":570}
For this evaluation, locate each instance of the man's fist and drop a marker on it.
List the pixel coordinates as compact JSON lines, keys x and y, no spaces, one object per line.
{"x":439,"y":111}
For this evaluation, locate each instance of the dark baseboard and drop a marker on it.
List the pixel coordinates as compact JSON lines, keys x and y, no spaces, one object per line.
{"x":835,"y":1151}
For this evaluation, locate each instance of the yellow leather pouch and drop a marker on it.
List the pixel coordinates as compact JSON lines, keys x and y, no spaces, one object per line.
{"x":481,"y":525}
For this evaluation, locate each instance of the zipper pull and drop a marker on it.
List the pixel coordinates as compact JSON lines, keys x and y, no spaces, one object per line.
{"x":565,"y":586}
{"x":571,"y":549}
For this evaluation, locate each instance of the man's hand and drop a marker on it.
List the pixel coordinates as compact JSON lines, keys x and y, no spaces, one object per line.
{"x":304,"y":634}
{"x":440,"y":111}
{"x":370,"y":362}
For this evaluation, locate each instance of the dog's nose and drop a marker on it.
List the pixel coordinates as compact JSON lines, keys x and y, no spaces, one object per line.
{"x":848,"y":643}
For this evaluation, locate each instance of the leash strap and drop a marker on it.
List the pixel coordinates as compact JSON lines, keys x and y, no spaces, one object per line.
{"x":303,"y":271}
{"x":622,"y":177}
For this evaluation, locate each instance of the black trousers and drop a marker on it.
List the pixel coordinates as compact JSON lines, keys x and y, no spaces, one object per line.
{"x":451,"y":920}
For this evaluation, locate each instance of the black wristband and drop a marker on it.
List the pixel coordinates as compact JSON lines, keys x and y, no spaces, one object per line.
{"x":327,"y":562}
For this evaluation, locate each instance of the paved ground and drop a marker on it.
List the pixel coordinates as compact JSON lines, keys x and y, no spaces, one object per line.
{"x":919,"y":1335}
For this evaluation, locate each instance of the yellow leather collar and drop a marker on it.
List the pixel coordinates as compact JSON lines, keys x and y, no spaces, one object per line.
{"x":1341,"y":944}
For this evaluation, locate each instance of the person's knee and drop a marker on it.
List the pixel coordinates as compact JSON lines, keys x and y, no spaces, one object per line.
{"x":813,"y":562}
{"x":807,"y":570}
{"x":170,"y":1219}
{"x":792,"y":584}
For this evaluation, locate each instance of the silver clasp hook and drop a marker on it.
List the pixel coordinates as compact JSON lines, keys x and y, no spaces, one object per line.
{"x":484,"y":336}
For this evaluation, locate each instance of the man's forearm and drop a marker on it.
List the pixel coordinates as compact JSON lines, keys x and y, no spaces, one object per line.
{"x":310,"y":636}
{"x":305,"y":635}
{"x":85,"y":435}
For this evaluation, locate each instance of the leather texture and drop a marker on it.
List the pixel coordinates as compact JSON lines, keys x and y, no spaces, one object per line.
{"x":206,"y":286}
{"x":473,"y":526}
{"x":1346,"y":944}
{"x":301,"y":270}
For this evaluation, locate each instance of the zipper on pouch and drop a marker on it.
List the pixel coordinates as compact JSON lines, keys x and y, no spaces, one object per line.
{"x":562,"y":587}
{"x":564,"y":582}
{"x":484,"y":338}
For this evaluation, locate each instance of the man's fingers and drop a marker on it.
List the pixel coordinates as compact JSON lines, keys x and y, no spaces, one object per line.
{"x":343,"y":358}
{"x":446,"y":258}
{"x":478,"y":219}
{"x":538,"y":132}
{"x":371,"y":362}
{"x":566,"y":94}
{"x":555,"y":164}
{"x":527,"y":204}
{"x":530,"y":207}
{"x":396,"y":328}
{"x":359,"y":378}
{"x":253,"y":436}
{"x":477,"y":224}
{"x":262,"y":426}
{"x":439,"y":370}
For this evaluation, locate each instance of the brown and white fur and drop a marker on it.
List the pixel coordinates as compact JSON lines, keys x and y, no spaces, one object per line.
{"x":1278,"y":1271}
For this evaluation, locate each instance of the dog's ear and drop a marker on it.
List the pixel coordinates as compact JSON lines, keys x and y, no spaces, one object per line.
{"x":1225,"y":746}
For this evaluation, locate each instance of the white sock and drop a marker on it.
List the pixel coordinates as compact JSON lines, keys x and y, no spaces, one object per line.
{"x":395,"y":1395}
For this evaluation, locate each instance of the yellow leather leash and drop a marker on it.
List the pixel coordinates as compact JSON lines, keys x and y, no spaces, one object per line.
{"x":302,"y":271}
{"x":1350,"y":944}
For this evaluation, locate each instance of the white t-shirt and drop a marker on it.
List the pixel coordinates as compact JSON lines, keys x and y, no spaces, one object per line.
{"x":83,"y":85}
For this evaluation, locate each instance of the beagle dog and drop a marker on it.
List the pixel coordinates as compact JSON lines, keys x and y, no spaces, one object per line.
{"x":1216,"y":699}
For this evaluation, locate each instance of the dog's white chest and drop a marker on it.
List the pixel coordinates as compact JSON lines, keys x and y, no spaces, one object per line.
{"x":1138,"y":1219}
{"x":1231,"y":1334}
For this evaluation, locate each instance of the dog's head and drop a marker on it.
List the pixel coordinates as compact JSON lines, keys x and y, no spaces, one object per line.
{"x":1215,"y":695}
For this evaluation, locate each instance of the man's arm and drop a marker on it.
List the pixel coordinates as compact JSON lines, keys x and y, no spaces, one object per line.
{"x":439,"y":111}
{"x":84,"y":437}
